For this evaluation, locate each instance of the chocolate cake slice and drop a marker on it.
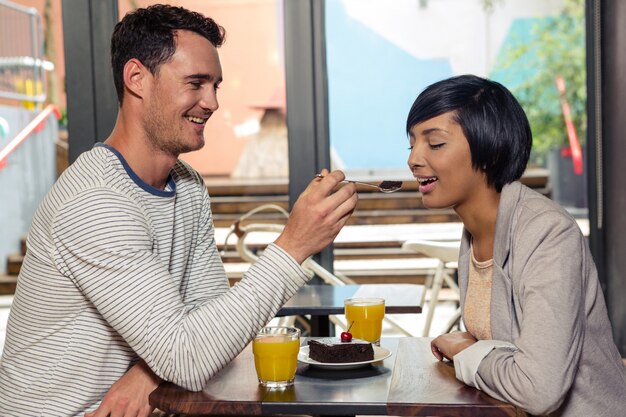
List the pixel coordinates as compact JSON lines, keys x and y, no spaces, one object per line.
{"x":333,"y":350}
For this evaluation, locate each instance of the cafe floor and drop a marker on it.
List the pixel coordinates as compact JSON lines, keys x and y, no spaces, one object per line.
{"x":413,"y":323}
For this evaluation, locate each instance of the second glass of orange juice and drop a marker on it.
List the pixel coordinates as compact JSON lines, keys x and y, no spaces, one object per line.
{"x":365,"y":315}
{"x":276,"y":355}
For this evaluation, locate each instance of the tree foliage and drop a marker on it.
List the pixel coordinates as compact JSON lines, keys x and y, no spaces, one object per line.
{"x":529,"y":66}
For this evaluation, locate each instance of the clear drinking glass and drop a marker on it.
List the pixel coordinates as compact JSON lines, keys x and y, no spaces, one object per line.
{"x":365,"y":315}
{"x":276,"y":355}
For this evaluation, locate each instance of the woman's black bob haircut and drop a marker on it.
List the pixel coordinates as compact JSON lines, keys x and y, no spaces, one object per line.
{"x":492,"y":120}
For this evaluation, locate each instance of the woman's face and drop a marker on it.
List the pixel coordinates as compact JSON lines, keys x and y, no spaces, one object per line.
{"x":441,"y":162}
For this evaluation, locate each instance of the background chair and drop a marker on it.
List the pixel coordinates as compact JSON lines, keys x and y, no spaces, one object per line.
{"x":448,"y":254}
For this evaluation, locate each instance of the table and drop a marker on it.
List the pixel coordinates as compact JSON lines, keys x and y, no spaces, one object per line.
{"x":323,"y":300}
{"x":411,"y":383}
{"x":320,"y":301}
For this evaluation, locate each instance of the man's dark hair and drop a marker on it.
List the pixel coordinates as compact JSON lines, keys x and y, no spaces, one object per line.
{"x":148,"y":35}
{"x":492,"y":120}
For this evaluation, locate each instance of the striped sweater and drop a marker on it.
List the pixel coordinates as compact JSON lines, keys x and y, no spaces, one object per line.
{"x":116,"y":270}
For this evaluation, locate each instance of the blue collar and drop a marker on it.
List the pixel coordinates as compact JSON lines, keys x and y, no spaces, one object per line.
{"x":141,"y":183}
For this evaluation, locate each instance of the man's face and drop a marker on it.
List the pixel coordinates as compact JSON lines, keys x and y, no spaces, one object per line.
{"x":182,"y":95}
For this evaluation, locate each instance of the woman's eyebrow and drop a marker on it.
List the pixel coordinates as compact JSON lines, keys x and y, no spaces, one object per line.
{"x":429,"y":131}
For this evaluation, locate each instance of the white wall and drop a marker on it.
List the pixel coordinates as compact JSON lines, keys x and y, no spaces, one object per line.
{"x":459,"y":30}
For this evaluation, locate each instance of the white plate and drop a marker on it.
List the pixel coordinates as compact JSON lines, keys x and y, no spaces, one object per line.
{"x":380,"y":353}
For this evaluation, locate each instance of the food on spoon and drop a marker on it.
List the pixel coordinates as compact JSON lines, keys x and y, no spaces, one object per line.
{"x":333,"y":350}
{"x":390,"y":185}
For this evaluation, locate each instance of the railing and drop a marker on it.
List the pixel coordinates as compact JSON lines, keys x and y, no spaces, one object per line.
{"x":34,"y":125}
{"x":22,"y":63}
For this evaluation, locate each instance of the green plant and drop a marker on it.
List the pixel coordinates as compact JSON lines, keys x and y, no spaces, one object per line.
{"x":529,"y":65}
{"x":63,"y":119}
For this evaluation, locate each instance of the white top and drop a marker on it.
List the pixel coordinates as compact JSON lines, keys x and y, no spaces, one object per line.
{"x":116,"y":270}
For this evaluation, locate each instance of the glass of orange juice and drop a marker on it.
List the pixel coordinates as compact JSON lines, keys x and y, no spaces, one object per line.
{"x":365,"y":315}
{"x":276,"y":355}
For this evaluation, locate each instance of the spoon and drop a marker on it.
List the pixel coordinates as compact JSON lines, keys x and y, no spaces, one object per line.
{"x":384,"y":187}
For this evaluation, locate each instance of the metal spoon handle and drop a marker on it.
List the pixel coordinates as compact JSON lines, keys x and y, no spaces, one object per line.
{"x":362,"y":183}
{"x":355,"y":182}
{"x":396,"y":185}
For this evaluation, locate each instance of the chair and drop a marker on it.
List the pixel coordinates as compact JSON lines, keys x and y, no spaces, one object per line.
{"x":309,"y":265}
{"x":448,"y":254}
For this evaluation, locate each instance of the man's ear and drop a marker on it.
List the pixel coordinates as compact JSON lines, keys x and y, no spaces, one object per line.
{"x":135,"y":77}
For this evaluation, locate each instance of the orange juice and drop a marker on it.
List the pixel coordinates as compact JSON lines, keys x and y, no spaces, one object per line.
{"x":365,"y":315}
{"x":276,"y":358}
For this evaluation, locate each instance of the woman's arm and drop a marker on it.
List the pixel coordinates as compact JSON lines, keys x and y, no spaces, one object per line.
{"x":548,"y":279}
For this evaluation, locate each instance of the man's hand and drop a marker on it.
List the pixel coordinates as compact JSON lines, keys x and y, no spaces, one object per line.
{"x":449,"y":344}
{"x":128,"y":397}
{"x":317,"y":216}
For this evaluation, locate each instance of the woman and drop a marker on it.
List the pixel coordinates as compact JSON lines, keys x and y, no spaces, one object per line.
{"x":538,"y":330}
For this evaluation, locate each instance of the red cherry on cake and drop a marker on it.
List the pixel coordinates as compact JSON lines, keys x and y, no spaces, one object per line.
{"x":347,"y":336}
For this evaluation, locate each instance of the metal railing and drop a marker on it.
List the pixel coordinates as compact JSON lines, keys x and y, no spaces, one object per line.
{"x":30,"y":128}
{"x":22,"y":63}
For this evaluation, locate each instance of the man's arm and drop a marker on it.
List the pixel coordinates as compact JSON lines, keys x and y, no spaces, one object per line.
{"x":130,"y":393}
{"x":300,"y":237}
{"x":120,"y":274}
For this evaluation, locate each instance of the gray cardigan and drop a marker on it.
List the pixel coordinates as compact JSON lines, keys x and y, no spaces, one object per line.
{"x":555,"y":352}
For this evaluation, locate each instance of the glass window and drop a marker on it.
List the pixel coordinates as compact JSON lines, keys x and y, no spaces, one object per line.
{"x":381,"y":54}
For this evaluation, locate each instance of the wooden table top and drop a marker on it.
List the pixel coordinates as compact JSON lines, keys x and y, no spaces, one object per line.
{"x":423,"y":386}
{"x":411,"y":383}
{"x":323,"y":300}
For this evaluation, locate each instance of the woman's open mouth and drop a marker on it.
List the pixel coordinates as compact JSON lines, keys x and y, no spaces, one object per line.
{"x":427,"y":183}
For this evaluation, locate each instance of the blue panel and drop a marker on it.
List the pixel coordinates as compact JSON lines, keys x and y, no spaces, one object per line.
{"x":372,"y":84}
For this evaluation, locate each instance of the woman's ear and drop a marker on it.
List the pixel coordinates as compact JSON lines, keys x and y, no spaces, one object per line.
{"x":135,"y":76}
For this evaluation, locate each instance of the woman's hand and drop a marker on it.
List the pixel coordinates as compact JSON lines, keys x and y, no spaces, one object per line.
{"x":449,"y":344}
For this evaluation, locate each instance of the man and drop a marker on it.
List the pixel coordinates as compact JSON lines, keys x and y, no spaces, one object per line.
{"x":122,"y":285}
